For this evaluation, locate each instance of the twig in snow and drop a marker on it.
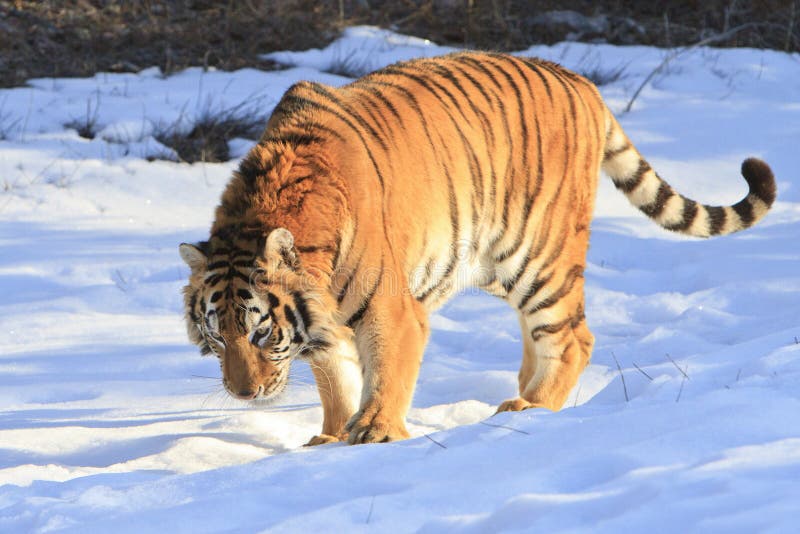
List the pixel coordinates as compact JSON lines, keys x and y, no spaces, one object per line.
{"x":506,"y":427}
{"x":120,"y":281}
{"x":675,"y":53}
{"x":681,"y":389}
{"x":577,"y":394}
{"x":678,"y":367}
{"x":642,"y":371}
{"x":371,"y":504}
{"x":436,"y":442}
{"x":624,"y":386}
{"x":87,"y":126}
{"x":738,"y":374}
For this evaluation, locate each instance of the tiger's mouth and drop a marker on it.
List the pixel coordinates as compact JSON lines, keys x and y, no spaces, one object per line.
{"x":263,"y":392}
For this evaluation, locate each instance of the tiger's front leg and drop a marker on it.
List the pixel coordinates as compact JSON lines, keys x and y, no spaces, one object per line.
{"x":391,"y":338}
{"x":337,"y":374}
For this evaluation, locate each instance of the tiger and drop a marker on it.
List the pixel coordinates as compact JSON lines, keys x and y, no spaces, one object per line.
{"x":363,"y":208}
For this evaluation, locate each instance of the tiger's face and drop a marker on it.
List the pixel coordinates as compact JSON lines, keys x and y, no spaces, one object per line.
{"x":247,"y":302}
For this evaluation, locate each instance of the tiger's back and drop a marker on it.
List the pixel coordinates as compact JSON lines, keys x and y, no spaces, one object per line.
{"x":429,"y":176}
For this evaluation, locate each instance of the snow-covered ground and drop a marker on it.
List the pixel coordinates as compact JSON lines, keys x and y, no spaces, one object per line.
{"x":111,"y":421}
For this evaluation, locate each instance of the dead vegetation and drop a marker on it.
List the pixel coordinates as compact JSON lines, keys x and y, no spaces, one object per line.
{"x":51,"y":38}
{"x":80,"y":37}
{"x":205,"y":136}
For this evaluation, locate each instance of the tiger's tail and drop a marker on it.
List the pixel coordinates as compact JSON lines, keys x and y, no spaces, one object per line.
{"x":633,"y":176}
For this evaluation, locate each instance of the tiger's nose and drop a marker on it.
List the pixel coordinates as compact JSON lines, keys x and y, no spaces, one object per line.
{"x":248,"y":394}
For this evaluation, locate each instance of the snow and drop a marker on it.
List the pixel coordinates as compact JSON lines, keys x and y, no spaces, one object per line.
{"x":111,"y":420}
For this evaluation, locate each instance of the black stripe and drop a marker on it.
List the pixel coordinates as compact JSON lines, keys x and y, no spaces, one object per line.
{"x":343,"y":291}
{"x":325,"y":93}
{"x":454,"y":226}
{"x":273,"y":300}
{"x":488,"y":129}
{"x":745,"y":211}
{"x":473,"y":159}
{"x":533,"y":65}
{"x":314,"y":248}
{"x":233,"y":273}
{"x":192,"y":303}
{"x":520,"y":104}
{"x":313,"y":125}
{"x":448,"y":74}
{"x":426,"y":278}
{"x":426,"y":82}
{"x":431,"y":85}
{"x":352,"y":126}
{"x":478,"y":86}
{"x":629,"y":185}
{"x":385,"y":101}
{"x":716,"y":219}
{"x":215,"y":296}
{"x":244,"y":294}
{"x":567,"y":87}
{"x":568,"y":346}
{"x":656,"y":207}
{"x":533,"y":289}
{"x":690,"y":210}
{"x":293,"y":138}
{"x":302,"y":307}
{"x":509,"y":283}
{"x":362,"y":309}
{"x":477,"y":64}
{"x":218,"y":265}
{"x":258,"y":336}
{"x":498,"y":97}
{"x":214,"y":279}
{"x":508,"y":176}
{"x":412,"y":101}
{"x":617,"y":151}
{"x":290,"y":316}
{"x":571,"y":277}
{"x":530,"y":196}
{"x":548,"y":329}
{"x":377,"y":117}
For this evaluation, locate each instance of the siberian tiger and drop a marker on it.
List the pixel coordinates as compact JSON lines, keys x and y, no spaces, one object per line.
{"x":363,"y":208}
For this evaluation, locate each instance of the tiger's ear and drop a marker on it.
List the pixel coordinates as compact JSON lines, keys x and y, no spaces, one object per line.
{"x":279,"y":247}
{"x":195,"y":256}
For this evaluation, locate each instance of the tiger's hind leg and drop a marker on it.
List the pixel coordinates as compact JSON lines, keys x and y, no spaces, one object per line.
{"x":557,"y":346}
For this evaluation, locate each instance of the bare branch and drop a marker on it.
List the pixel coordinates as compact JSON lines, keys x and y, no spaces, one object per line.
{"x":506,"y":427}
{"x":678,"y":52}
{"x":642,"y":371}
{"x":678,"y":367}
{"x":624,"y":386}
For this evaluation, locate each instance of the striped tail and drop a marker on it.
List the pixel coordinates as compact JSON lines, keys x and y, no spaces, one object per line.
{"x":633,"y":176}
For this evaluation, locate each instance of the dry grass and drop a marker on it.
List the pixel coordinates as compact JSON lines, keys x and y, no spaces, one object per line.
{"x":80,"y":37}
{"x":206,"y":137}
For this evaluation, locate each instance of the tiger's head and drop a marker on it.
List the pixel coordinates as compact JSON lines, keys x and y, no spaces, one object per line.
{"x":249,"y":302}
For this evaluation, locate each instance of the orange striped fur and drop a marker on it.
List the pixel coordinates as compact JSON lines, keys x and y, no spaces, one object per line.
{"x":365,"y":207}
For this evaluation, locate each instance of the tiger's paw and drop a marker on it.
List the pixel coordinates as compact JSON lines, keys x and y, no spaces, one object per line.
{"x":322,"y":439}
{"x":516,"y":405}
{"x":368,"y":426}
